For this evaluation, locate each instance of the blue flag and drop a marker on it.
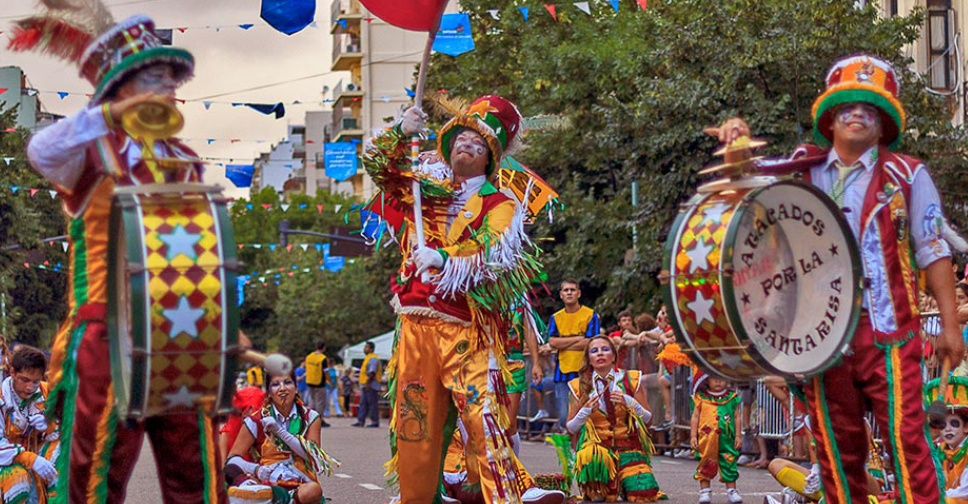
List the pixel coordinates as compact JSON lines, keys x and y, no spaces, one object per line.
{"x":266,"y":108}
{"x":288,"y":16}
{"x":334,"y":263}
{"x":454,"y":35}
{"x":340,"y":160}
{"x":371,"y":225}
{"x":240,"y":175}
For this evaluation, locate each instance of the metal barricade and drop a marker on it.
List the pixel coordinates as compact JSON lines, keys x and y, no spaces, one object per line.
{"x":775,"y":417}
{"x":930,"y":329}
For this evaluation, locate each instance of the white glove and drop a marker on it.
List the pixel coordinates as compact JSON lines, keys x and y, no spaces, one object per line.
{"x":45,"y":469}
{"x":270,"y":425}
{"x":639,"y":410}
{"x":426,"y":258}
{"x":813,"y":480}
{"x":414,"y":121}
{"x":263,"y":472}
{"x":38,"y":422}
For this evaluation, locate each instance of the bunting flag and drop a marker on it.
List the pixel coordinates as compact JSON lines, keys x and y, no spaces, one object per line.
{"x":524,"y":12}
{"x":494,"y":14}
{"x":551,"y":9}
{"x":288,"y":16}
{"x":583,"y":6}
{"x":240,"y":175}
{"x":278,"y":109}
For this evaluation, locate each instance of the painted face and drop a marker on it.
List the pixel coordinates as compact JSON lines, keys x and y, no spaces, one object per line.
{"x":955,"y":430}
{"x":600,"y":354}
{"x":569,"y":293}
{"x":470,"y":153}
{"x":282,"y":389}
{"x":27,"y":382}
{"x":156,"y":79}
{"x":857,"y":122}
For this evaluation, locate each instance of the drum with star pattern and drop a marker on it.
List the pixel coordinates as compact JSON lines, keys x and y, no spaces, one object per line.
{"x":172,"y":307}
{"x":765,"y":279}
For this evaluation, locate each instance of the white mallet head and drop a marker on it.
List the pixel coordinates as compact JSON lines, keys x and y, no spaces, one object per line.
{"x":278,"y":365}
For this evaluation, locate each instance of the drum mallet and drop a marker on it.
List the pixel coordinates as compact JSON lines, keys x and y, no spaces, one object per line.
{"x":937,"y":411}
{"x":276,"y":364}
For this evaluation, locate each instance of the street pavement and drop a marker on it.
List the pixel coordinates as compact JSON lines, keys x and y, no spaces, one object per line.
{"x":362,"y":451}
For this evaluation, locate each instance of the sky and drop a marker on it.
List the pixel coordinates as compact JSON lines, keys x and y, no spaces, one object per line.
{"x":226,"y":61}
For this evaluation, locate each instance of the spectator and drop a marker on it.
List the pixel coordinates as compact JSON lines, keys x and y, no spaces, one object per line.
{"x":347,"y":385}
{"x":254,"y":375}
{"x":332,"y":392}
{"x":301,"y":387}
{"x":369,"y":388}
{"x":648,"y":339}
{"x":545,"y":386}
{"x":568,"y":333}
{"x":316,"y":378}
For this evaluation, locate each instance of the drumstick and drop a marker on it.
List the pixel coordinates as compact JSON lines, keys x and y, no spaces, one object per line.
{"x":275,"y":364}
{"x":937,"y":411}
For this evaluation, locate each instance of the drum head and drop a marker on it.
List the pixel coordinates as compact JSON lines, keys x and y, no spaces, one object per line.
{"x":791,"y":278}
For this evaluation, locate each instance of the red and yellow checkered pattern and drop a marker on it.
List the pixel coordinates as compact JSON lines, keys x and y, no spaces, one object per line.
{"x":183,"y":360}
{"x":709,"y":338}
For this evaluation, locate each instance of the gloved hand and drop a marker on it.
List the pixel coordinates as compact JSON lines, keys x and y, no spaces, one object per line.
{"x":263,"y":473}
{"x":426,"y":258}
{"x":813,"y":480}
{"x":38,"y":422}
{"x":270,"y":425}
{"x":414,"y":121}
{"x":45,"y":469}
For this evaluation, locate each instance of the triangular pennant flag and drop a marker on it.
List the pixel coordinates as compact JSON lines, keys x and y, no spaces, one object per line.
{"x":52,"y":192}
{"x":290,"y":273}
{"x":62,"y":94}
{"x":8,"y":160}
{"x":257,"y":245}
{"x":267,"y":205}
{"x":3,"y":89}
{"x":368,"y":19}
{"x":33,"y":192}
{"x":302,"y":206}
{"x":210,"y":140}
{"x":524,"y":12}
{"x":207,"y":104}
{"x":64,"y":246}
{"x":248,"y":206}
{"x":304,"y":246}
{"x":319,"y":247}
{"x":14,"y":189}
{"x":583,"y":6}
{"x":272,"y":246}
{"x":241,"y":245}
{"x":494,"y":14}
{"x":284,"y":207}
{"x":289,"y":248}
{"x":551,"y":9}
{"x":342,"y":22}
{"x":642,"y":3}
{"x":262,"y":279}
{"x":614,"y":5}
{"x":319,"y":208}
{"x":10,"y":130}
{"x":181,"y":29}
{"x":337,"y":207}
{"x":246,"y":26}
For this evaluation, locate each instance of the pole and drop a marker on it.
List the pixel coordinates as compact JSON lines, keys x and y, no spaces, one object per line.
{"x":3,"y":313}
{"x":635,"y":230}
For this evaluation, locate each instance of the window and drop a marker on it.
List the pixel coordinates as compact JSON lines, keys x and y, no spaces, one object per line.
{"x":938,"y":36}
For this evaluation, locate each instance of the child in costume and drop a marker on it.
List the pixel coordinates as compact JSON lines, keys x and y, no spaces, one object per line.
{"x":29,"y":443}
{"x":285,"y":433}
{"x":715,"y":435}
{"x":610,"y":415}
{"x":952,"y":444}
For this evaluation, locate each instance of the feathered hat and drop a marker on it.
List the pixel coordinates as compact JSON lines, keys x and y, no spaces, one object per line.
{"x":955,"y":398}
{"x":84,"y":33}
{"x":860,"y":78}
{"x":494,"y":118}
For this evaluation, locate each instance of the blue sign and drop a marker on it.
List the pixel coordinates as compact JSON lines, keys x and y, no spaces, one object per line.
{"x":340,"y":160}
{"x":239,"y":284}
{"x":454,"y":35}
{"x":240,"y":175}
{"x":288,"y":16}
{"x":334,"y":263}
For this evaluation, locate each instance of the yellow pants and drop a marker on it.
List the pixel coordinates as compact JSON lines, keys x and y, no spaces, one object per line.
{"x":440,"y":375}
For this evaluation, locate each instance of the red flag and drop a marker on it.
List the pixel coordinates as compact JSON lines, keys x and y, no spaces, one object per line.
{"x":642,"y":3}
{"x":33,"y":192}
{"x":551,"y":9}
{"x":266,"y":206}
{"x":3,"y":90}
{"x":416,"y":15}
{"x":319,"y":208}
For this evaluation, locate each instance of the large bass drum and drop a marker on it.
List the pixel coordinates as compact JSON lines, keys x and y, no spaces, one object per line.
{"x":765,"y":279}
{"x":172,"y":307}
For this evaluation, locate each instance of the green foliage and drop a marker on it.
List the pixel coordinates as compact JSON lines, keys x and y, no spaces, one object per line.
{"x":638,"y":89}
{"x":36,"y":299}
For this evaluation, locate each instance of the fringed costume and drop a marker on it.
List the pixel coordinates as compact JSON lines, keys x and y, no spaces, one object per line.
{"x":449,"y":350}
{"x":952,"y":459}
{"x":614,"y":448}
{"x":717,"y":435}
{"x":22,"y":444}
{"x":85,"y":156}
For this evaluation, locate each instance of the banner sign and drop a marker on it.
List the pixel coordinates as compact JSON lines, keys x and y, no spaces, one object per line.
{"x":340,"y":160}
{"x":454,"y":36}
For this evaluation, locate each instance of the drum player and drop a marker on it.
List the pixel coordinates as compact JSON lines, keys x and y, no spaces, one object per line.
{"x":894,"y":211}
{"x":86,"y":156}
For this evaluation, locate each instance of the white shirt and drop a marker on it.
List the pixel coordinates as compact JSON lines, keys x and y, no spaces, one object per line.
{"x":469,"y":188}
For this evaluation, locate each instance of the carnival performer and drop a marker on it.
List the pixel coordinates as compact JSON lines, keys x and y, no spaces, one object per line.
{"x":29,"y":443}
{"x":285,"y":433}
{"x":610,"y":416}
{"x":454,"y":294}
{"x":894,"y":211}
{"x":85,"y":156}
{"x":952,"y":442}
{"x":715,"y":435}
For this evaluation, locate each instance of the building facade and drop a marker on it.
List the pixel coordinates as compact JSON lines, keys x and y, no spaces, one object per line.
{"x":15,"y":93}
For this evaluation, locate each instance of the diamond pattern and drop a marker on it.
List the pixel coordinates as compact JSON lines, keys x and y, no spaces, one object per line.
{"x":183,"y":361}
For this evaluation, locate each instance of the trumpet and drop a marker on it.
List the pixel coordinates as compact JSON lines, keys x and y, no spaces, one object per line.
{"x":153,"y":119}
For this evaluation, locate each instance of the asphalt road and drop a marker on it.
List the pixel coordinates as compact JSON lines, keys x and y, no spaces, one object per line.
{"x":362,"y":451}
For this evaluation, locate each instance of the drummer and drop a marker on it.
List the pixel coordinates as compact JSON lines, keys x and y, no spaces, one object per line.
{"x":85,"y":156}
{"x":894,"y":210}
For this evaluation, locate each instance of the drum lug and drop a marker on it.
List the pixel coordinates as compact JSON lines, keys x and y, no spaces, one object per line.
{"x":233,"y":265}
{"x":136,"y":269}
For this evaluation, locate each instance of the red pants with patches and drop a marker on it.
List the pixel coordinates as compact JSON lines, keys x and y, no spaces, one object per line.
{"x":174,"y":439}
{"x":882,"y":373}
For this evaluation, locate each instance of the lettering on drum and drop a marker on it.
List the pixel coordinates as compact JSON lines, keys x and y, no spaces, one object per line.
{"x":783,"y":212}
{"x":808,"y":342}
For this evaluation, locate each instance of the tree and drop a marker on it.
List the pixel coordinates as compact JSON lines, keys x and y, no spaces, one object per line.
{"x":638,"y":87}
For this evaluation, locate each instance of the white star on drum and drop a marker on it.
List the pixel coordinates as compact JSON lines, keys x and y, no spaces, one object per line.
{"x":180,"y":241}
{"x":702,"y":307}
{"x":699,"y":253}
{"x":183,"y":318}
{"x":182,"y":398}
{"x":732,"y":360}
{"x":715,"y":213}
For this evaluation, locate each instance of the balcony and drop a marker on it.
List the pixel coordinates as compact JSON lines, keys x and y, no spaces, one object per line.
{"x":344,"y":10}
{"x":346,"y":128}
{"x":346,"y":52}
{"x":349,"y":92}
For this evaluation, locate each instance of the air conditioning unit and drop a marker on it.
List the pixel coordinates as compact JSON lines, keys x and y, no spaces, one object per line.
{"x":352,"y":87}
{"x":352,"y":48}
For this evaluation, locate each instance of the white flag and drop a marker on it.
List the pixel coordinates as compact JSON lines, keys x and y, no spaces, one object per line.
{"x":284,"y":206}
{"x":583,"y":6}
{"x":53,"y":193}
{"x":64,"y":246}
{"x":494,"y":14}
{"x":337,"y":208}
{"x":304,"y":246}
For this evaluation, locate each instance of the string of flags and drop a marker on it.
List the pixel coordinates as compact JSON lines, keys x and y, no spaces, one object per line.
{"x":553,"y":9}
{"x":284,"y":206}
{"x":32,"y":191}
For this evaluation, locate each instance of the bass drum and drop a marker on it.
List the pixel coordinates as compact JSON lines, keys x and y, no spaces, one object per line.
{"x":172,"y":301}
{"x":765,"y":279}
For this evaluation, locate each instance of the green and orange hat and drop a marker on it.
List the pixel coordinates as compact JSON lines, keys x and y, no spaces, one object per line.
{"x":494,"y":118}
{"x":955,"y":398}
{"x":860,"y":78}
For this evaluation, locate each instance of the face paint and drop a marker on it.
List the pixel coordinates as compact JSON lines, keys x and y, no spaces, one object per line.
{"x":158,"y":79}
{"x":861,"y":113}
{"x":471,"y":144}
{"x":954,"y":430}
{"x":602,"y":349}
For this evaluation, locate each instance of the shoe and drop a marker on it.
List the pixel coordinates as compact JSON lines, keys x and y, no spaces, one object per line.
{"x":683,"y":453}
{"x":357,"y":424}
{"x":446,"y":499}
{"x":664,"y":425}
{"x":791,"y":496}
{"x":744,"y":459}
{"x":324,"y":424}
{"x":373,"y":426}
{"x":541,"y":414}
{"x":535,"y":495}
{"x":734,"y":496}
{"x":705,"y":496}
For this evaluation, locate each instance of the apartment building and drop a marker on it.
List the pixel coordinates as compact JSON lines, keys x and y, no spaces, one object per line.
{"x":16,"y":93}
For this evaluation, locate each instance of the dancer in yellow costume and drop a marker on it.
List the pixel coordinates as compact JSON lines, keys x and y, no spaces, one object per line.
{"x":715,"y":428}
{"x":609,"y":413}
{"x":953,"y":440}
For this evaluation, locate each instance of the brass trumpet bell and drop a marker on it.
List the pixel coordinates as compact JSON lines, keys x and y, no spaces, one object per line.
{"x":152,"y":120}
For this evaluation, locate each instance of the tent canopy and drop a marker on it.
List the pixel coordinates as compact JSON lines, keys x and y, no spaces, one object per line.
{"x":382,"y":342}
